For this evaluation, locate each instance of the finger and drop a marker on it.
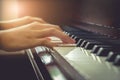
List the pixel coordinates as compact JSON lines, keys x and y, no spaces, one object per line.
{"x":45,"y":42}
{"x":38,"y":20}
{"x":34,"y":43}
{"x":40,"y":26}
{"x":53,"y":32}
{"x":29,"y":19}
{"x":15,"y":22}
{"x":24,"y":21}
{"x":50,"y":26}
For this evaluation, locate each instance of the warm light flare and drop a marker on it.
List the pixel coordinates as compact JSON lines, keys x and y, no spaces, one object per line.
{"x":14,"y":8}
{"x":9,"y":9}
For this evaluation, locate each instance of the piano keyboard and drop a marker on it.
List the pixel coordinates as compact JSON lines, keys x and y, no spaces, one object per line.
{"x":93,"y":57}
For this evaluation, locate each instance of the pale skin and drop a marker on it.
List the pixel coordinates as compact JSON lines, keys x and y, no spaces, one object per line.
{"x":29,"y":32}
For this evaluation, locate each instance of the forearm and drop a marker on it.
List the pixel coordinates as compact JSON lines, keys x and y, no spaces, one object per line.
{"x":5,"y":25}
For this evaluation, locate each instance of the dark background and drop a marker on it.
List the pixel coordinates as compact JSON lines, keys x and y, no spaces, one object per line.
{"x":65,"y":11}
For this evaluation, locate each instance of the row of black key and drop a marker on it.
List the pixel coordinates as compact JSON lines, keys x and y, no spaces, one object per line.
{"x":99,"y":45}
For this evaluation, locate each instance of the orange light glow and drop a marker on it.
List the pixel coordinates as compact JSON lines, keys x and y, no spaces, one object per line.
{"x":14,"y":8}
{"x":9,"y":9}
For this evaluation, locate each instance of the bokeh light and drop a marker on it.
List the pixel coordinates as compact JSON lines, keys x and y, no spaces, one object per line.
{"x":9,"y":10}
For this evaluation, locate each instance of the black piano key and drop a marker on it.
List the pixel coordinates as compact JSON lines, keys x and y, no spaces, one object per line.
{"x":111,"y":56}
{"x":83,"y":44}
{"x":103,"y":51}
{"x":90,"y":45}
{"x":97,"y":47}
{"x":68,"y":33}
{"x":117,"y":60}
{"x":72,"y":36}
{"x":79,"y":42}
{"x":76,"y":39}
{"x":92,"y":39}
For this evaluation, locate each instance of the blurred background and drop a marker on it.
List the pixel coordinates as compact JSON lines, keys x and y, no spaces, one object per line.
{"x":63,"y":11}
{"x":53,"y":11}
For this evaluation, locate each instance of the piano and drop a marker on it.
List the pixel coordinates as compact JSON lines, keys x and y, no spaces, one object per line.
{"x":95,"y":55}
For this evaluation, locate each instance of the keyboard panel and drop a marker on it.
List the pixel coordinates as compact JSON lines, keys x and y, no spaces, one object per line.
{"x":87,"y":65}
{"x":92,"y":57}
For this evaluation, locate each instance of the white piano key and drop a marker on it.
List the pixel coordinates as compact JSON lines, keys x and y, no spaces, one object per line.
{"x":66,"y":45}
{"x":58,"y":42}
{"x":55,"y":40}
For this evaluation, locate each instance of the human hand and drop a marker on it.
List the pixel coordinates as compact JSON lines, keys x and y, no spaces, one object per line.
{"x":20,"y":21}
{"x":31,"y":35}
